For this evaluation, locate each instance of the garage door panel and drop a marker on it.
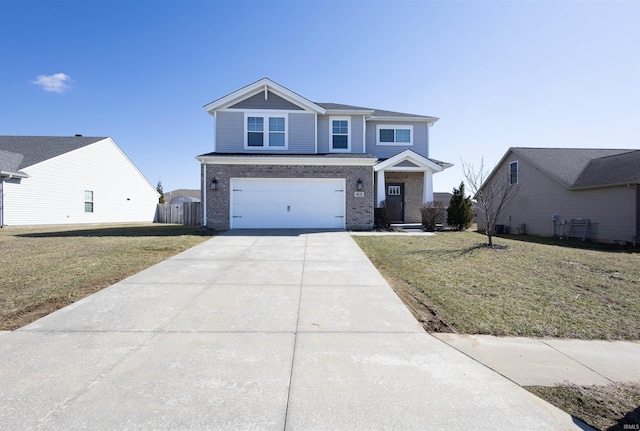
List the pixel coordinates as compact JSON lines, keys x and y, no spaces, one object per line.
{"x":287,"y":203}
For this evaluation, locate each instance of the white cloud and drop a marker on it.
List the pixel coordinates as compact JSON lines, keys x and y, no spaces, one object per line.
{"x":57,"y":83}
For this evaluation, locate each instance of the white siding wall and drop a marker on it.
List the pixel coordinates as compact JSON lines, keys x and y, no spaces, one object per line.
{"x":539,"y":197}
{"x":54,"y":191}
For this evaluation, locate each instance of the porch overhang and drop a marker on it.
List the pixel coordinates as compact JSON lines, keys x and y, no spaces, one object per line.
{"x":410,"y":161}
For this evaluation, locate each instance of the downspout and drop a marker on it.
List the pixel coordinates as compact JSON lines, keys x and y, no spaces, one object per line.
{"x":1,"y":202}
{"x":204,"y":193}
{"x":364,"y":134}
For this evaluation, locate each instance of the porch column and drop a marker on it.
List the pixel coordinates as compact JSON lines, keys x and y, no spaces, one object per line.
{"x":380,"y":195}
{"x":428,"y":187}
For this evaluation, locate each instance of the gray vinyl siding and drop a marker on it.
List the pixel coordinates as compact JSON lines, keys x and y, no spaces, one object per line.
{"x":420,"y":140}
{"x":357,"y":123}
{"x":273,"y":101}
{"x":229,"y":132}
{"x":611,"y":210}
{"x":302,"y":133}
{"x":324,"y":135}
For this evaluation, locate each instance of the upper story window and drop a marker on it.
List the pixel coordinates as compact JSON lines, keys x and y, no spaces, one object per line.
{"x":266,"y":131}
{"x":394,"y":134}
{"x":340,"y":128}
{"x":513,"y":173}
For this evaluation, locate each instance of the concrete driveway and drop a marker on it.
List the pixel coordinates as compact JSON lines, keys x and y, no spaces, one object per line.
{"x":253,"y":330}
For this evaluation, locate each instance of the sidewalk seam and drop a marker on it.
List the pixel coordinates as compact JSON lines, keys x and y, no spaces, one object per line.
{"x":295,"y":336}
{"x":575,"y":360}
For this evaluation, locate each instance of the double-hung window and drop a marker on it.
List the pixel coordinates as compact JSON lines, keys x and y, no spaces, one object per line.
{"x":339,"y":132}
{"x":88,"y":201}
{"x":394,"y":134}
{"x":266,"y":131}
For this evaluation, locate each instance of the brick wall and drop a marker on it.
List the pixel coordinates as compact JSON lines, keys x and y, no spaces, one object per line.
{"x":413,"y":192}
{"x":359,"y":210}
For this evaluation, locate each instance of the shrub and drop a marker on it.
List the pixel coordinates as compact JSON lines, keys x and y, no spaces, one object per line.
{"x":432,"y":215}
{"x":460,"y":211}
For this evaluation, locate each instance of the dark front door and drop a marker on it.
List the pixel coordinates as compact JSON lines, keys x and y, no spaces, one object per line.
{"x":395,"y":202}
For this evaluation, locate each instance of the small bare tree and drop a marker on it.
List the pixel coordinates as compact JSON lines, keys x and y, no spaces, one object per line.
{"x":493,"y":190}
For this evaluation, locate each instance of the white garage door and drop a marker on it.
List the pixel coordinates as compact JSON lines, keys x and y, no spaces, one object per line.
{"x":287,"y":203}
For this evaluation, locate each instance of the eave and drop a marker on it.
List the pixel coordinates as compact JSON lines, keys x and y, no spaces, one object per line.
{"x":276,"y":159}
{"x":407,"y":119}
{"x":10,"y":174}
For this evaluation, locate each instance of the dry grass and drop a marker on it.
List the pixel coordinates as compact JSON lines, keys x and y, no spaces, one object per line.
{"x":520,"y":289}
{"x":603,"y":407}
{"x":524,"y":287}
{"x":46,"y":268}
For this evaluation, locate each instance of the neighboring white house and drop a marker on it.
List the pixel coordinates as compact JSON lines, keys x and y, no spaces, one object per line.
{"x":71,"y":180}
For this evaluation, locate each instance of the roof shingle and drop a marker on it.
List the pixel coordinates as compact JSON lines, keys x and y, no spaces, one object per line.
{"x":36,"y":149}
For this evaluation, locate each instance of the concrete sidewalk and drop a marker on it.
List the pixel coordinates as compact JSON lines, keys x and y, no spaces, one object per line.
{"x":264,"y":330}
{"x":550,"y":361}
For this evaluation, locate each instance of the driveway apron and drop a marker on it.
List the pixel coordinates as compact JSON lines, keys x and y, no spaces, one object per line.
{"x":264,"y":330}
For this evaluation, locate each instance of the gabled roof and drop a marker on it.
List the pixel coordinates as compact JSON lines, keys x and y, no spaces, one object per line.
{"x":36,"y":149}
{"x":417,"y":162}
{"x":616,"y":169}
{"x":577,"y":168}
{"x":264,"y":84}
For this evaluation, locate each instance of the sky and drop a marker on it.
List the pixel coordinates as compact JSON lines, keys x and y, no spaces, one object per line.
{"x":498,"y":74}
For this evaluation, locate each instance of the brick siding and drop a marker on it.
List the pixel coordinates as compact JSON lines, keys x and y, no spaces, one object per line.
{"x":413,"y":193}
{"x":358,"y":211}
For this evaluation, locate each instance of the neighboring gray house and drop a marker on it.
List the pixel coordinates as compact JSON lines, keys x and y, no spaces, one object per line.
{"x":47,"y":180}
{"x":584,"y":193}
{"x":280,"y":160}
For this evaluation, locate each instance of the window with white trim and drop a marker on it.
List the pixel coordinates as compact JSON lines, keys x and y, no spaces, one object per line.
{"x":340,"y":134}
{"x":513,"y":173}
{"x":88,"y":201}
{"x":387,"y":134}
{"x":266,"y":131}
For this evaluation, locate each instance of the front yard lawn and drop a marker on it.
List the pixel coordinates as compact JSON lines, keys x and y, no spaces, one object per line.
{"x":523,"y":288}
{"x":47,"y":268}
{"x":532,"y":287}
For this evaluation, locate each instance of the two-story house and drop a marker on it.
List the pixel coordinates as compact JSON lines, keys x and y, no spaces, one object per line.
{"x":280,"y":160}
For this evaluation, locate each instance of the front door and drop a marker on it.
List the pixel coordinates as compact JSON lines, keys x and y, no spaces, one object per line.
{"x":395,"y":202}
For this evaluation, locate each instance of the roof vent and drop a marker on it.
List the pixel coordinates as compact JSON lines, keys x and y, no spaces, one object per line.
{"x":78,"y":135}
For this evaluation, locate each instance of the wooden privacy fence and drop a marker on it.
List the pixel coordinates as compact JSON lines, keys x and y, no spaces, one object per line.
{"x":187,"y":213}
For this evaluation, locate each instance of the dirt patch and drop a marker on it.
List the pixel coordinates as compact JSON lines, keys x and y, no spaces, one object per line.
{"x":29,"y":314}
{"x":33,"y":312}
{"x":611,"y":407}
{"x":428,"y":316}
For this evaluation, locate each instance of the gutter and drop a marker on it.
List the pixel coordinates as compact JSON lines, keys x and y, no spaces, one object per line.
{"x":11,"y":175}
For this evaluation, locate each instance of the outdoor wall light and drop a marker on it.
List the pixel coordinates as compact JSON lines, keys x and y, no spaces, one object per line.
{"x":359,"y":185}
{"x":214,"y":184}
